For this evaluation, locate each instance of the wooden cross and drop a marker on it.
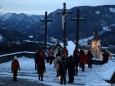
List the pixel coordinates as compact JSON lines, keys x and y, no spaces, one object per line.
{"x":63,"y":15}
{"x":78,"y":19}
{"x":46,"y":20}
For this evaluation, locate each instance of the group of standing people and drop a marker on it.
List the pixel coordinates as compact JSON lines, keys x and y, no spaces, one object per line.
{"x":62,"y":63}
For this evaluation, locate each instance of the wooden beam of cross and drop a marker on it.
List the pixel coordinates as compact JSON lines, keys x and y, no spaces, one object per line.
{"x":63,"y":15}
{"x":46,"y":20}
{"x":78,"y":19}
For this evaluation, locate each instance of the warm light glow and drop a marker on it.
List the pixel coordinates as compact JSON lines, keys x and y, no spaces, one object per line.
{"x":95,"y":45}
{"x":78,"y":67}
{"x":96,"y":48}
{"x":87,"y":65}
{"x":59,"y":77}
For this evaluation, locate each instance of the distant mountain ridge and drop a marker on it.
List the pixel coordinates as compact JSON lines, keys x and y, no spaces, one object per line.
{"x":103,"y":16}
{"x":18,"y":22}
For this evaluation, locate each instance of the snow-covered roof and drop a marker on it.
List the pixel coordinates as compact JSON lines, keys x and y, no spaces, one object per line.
{"x":70,"y":47}
{"x":112,"y":10}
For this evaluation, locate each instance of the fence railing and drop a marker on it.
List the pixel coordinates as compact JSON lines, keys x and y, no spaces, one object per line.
{"x":9,"y":57}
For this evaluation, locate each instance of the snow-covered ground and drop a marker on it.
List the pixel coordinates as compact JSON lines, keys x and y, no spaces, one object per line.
{"x":91,"y":77}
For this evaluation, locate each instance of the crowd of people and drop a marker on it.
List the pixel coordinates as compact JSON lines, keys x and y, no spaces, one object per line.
{"x":63,"y":63}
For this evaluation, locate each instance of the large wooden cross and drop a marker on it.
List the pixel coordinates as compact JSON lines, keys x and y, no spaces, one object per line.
{"x":46,"y":20}
{"x":63,"y":15}
{"x":78,"y":19}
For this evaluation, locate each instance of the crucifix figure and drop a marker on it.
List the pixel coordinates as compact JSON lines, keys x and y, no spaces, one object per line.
{"x":63,"y":15}
{"x":46,"y":20}
{"x":78,"y":19}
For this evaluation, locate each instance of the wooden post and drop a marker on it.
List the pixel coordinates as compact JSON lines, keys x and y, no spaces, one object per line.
{"x":46,"y":20}
{"x":78,"y":19}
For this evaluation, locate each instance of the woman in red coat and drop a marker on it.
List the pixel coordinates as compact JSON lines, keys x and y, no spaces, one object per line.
{"x":82,"y":60}
{"x":40,"y":65}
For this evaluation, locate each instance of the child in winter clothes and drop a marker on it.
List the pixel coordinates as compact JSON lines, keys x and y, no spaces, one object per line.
{"x":15,"y":66}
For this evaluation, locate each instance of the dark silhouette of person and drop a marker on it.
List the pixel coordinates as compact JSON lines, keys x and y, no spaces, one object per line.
{"x":35,"y":58}
{"x":70,"y":66}
{"x":105,"y":56}
{"x":76,"y":60}
{"x":89,"y":59}
{"x":63,"y":68}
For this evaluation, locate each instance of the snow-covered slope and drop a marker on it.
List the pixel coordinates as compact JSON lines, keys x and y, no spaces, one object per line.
{"x":91,"y":77}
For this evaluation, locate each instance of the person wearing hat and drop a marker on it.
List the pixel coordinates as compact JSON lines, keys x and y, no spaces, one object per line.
{"x":15,"y":66}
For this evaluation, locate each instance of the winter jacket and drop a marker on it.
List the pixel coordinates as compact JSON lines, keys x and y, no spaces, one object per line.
{"x":70,"y":64}
{"x":36,"y":55}
{"x":40,"y":65}
{"x":76,"y":58}
{"x":89,"y":57}
{"x":82,"y":58}
{"x":43,"y":55}
{"x":66,"y":52}
{"x":62,"y":65}
{"x":15,"y":65}
{"x":56,"y":64}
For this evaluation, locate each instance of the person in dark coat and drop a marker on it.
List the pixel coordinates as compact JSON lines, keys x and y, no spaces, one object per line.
{"x":63,"y":68}
{"x":89,"y":57}
{"x":15,"y":66}
{"x":35,"y":58}
{"x":70,"y":66}
{"x":76,"y":60}
{"x":40,"y":66}
{"x":82,"y":60}
{"x":105,"y":56}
